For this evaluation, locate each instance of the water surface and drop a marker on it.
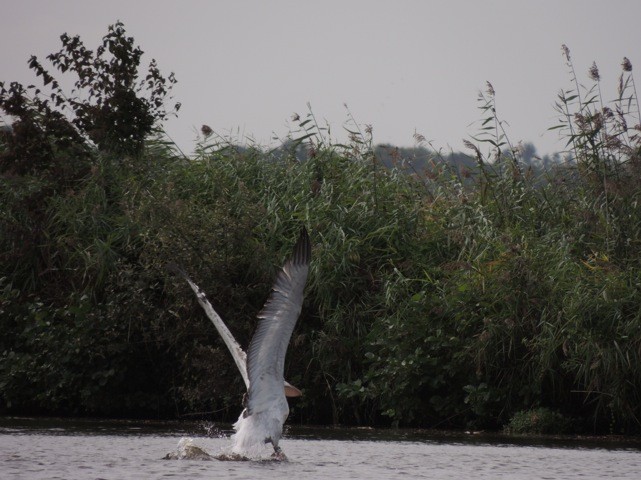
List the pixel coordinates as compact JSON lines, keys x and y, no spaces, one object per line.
{"x":73,"y":450}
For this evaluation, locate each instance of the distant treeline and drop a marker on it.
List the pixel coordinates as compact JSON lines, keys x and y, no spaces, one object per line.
{"x":494,"y":290}
{"x":421,"y":160}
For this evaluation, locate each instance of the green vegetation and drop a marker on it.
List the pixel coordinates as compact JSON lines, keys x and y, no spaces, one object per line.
{"x":538,"y":421}
{"x":443,"y":296}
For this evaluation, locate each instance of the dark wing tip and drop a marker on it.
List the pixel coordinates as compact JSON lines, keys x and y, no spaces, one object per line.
{"x":303,"y":249}
{"x":172,"y":267}
{"x":176,"y":269}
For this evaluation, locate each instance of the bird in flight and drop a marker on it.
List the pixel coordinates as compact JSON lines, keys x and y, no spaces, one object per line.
{"x":262,"y":368}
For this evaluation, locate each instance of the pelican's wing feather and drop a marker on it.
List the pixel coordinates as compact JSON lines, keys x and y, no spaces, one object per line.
{"x":267,"y":349}
{"x":240,"y":358}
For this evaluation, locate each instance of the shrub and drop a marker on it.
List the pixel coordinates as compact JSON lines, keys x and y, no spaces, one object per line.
{"x":538,"y":421}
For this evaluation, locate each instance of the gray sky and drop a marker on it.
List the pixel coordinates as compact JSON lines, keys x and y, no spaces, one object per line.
{"x":244,"y":67}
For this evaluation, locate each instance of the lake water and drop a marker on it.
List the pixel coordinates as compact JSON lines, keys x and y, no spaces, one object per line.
{"x":63,"y":449}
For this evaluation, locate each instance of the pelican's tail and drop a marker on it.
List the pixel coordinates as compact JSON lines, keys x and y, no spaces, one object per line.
{"x":254,"y":432}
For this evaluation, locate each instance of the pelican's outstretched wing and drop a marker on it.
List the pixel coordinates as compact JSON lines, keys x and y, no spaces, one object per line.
{"x":236,"y":351}
{"x":266,"y":354}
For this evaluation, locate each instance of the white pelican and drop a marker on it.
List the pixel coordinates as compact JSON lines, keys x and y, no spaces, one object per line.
{"x":266,"y":407}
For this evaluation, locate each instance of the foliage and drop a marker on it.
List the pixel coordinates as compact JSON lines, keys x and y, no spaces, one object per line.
{"x":110,"y":105}
{"x":68,"y":250}
{"x":450,"y":295}
{"x":538,"y":421}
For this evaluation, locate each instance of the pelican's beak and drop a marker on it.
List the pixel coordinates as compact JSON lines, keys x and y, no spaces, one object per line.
{"x":291,"y":390}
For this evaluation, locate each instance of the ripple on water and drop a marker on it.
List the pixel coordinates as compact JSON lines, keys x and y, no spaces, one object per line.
{"x":72,"y":455}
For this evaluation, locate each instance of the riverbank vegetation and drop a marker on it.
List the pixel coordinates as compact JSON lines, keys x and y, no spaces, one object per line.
{"x":452,"y":295}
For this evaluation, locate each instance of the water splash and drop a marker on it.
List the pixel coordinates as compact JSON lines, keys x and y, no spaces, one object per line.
{"x":213,"y":430}
{"x":188,"y":450}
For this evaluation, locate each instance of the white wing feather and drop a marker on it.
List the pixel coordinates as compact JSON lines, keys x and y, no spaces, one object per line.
{"x":266,"y":353}
{"x":240,"y":358}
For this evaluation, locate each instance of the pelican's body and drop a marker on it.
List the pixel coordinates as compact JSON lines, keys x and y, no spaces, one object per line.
{"x":267,"y":409}
{"x":262,"y":368}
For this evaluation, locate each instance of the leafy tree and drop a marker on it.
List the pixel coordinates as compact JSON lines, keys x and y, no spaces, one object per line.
{"x":113,"y":105}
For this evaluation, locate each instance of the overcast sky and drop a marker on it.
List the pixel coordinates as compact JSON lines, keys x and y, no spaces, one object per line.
{"x":244,"y":67}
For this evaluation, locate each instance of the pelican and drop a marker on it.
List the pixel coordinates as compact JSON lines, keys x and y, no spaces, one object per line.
{"x":262,"y":368}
